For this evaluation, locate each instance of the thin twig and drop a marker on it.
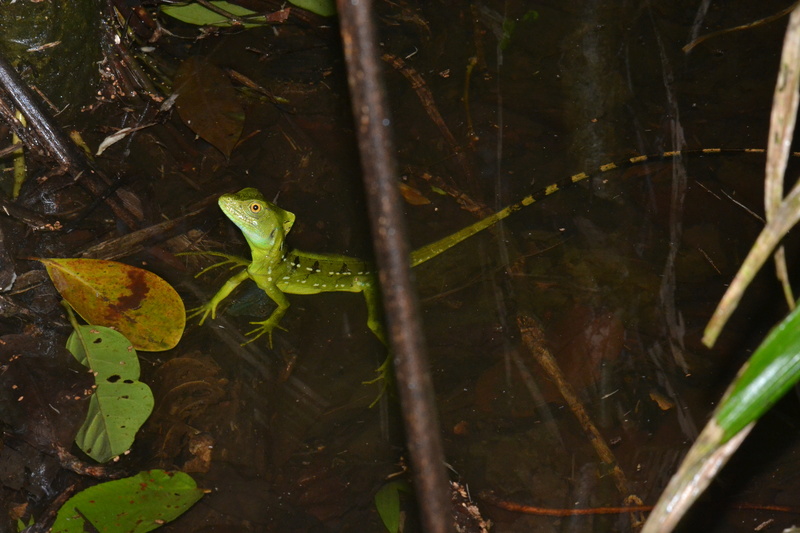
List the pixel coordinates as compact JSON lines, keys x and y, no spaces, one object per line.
{"x":759,"y":22}
{"x":414,"y":384}
{"x":533,"y":338}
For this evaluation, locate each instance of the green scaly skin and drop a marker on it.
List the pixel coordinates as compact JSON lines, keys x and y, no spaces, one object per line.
{"x":279,"y":270}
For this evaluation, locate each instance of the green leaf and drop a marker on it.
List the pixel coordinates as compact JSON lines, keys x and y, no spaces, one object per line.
{"x":116,"y":412}
{"x":106,"y":351}
{"x":325,"y":8}
{"x":22,"y":525}
{"x":387,"y":502}
{"x":201,"y":16}
{"x":136,"y":504}
{"x":120,"y":403}
{"x":768,"y":374}
{"x":135,"y":302}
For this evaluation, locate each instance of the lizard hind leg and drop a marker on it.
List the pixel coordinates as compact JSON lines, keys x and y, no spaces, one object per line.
{"x":265,"y":327}
{"x":375,"y":324}
{"x":385,"y":377}
{"x":374,"y":312}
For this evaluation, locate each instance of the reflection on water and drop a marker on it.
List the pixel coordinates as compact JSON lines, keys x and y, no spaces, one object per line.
{"x":622,"y":273}
{"x":619,"y":272}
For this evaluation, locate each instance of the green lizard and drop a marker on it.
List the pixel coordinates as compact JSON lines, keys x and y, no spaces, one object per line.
{"x":279,"y":270}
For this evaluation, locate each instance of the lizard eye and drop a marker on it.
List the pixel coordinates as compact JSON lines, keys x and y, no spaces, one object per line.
{"x":255,"y":207}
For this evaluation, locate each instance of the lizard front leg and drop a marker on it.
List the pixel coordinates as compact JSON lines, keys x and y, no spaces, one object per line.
{"x":222,"y":293}
{"x":266,"y":326}
{"x":233,"y":260}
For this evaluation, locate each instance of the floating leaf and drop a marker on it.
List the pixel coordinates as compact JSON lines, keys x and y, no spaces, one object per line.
{"x":207,"y":103}
{"x":412,"y":195}
{"x":116,"y":412}
{"x":202,"y":16}
{"x":325,"y":8}
{"x":135,"y":302}
{"x":120,"y":403}
{"x":387,"y":502}
{"x":135,"y":504}
{"x":106,"y":351}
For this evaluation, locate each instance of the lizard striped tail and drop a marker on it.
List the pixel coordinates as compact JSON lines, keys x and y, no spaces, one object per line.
{"x":435,"y":248}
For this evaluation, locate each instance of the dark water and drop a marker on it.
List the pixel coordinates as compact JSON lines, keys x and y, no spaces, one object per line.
{"x":623,"y":274}
{"x":622,"y":271}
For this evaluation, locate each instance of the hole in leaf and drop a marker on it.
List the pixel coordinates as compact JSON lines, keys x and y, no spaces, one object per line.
{"x":98,"y":340}
{"x":114,"y":378}
{"x":128,"y":381}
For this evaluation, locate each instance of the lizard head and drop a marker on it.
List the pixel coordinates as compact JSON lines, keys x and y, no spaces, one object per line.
{"x":263,"y":224}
